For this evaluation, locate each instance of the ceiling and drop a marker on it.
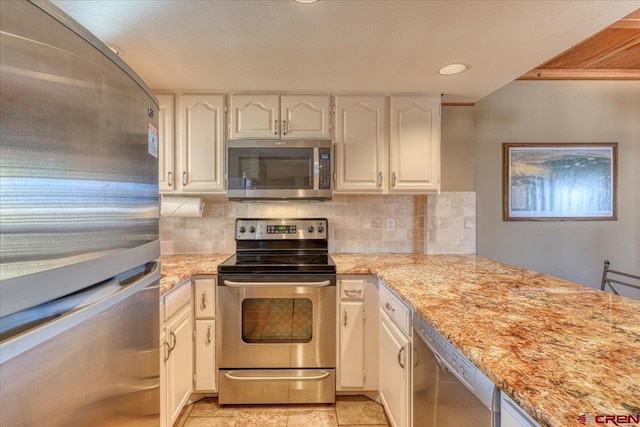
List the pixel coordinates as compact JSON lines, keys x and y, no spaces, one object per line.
{"x":391,"y":46}
{"x":613,"y":53}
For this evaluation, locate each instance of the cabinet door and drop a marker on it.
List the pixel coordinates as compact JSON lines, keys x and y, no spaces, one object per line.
{"x":164,"y":358}
{"x":305,"y":116}
{"x":205,"y":298}
{"x":255,"y":116}
{"x":352,"y":359}
{"x":202,"y":143}
{"x":180,"y":363}
{"x":205,"y":356}
{"x":395,"y":373}
{"x":166,"y":174}
{"x":361,"y":147}
{"x":415,"y":144}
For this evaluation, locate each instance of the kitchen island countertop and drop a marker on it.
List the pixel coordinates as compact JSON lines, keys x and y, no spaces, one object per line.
{"x":559,"y":349}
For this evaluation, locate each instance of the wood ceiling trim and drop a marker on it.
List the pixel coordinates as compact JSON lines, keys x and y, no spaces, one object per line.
{"x":611,"y":54}
{"x":581,"y":74}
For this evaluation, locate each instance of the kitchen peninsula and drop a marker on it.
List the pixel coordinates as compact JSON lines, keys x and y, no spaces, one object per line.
{"x":559,"y":349}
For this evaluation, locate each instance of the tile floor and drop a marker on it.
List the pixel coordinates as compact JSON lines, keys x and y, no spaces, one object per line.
{"x":353,"y":411}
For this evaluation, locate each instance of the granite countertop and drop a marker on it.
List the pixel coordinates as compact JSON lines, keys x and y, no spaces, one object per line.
{"x":175,"y":269}
{"x":559,"y":349}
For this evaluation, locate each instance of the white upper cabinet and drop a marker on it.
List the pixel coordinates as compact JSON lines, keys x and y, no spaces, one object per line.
{"x":305,"y":117}
{"x":415,"y":144}
{"x":166,"y":175}
{"x":201,"y":144}
{"x":267,"y":116}
{"x":255,"y":116}
{"x":361,"y":144}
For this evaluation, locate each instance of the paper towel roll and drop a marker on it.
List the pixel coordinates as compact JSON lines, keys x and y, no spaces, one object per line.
{"x":181,"y":206}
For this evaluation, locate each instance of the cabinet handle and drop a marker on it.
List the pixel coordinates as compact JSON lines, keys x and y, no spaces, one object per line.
{"x":175,"y":340}
{"x":284,"y":127}
{"x":393,"y":180}
{"x":204,"y":300}
{"x":209,"y":334}
{"x":167,"y":350}
{"x":400,"y":362}
{"x":379,"y":180}
{"x":275,"y":127}
{"x":352,"y":292}
{"x":345,"y":317}
{"x":184,"y":178}
{"x":390,"y":307}
{"x":170,"y":179}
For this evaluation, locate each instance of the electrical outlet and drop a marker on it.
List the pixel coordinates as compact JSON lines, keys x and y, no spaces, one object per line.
{"x":391,"y":224}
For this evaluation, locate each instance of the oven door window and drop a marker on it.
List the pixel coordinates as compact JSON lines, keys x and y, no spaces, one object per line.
{"x":270,"y":169}
{"x":277,"y":320}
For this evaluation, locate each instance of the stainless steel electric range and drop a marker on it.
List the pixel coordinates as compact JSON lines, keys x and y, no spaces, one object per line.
{"x":277,"y":299}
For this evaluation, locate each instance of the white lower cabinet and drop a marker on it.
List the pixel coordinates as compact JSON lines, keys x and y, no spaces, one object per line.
{"x":395,"y":361}
{"x":205,"y":356}
{"x":357,"y":359}
{"x":179,"y":363}
{"x":352,"y":372}
{"x":204,"y":346}
{"x":176,"y":352}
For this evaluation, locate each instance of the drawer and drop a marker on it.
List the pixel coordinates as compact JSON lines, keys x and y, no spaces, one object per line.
{"x":352,"y":289}
{"x":177,"y":299}
{"x":204,"y":294}
{"x":396,"y":309}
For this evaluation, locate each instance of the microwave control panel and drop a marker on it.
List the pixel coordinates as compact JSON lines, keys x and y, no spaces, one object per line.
{"x":324,"y":170}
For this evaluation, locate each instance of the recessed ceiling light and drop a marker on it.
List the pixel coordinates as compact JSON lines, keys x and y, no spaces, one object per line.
{"x":305,"y":1}
{"x":451,"y":69}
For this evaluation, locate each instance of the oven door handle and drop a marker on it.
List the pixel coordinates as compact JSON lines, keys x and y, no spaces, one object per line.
{"x":232,"y":377}
{"x":233,"y":284}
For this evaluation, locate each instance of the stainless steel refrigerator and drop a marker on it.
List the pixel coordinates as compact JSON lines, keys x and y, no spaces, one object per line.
{"x":78,"y":228}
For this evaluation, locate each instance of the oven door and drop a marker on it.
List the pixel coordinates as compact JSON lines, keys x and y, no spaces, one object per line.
{"x":278,"y":169}
{"x":277,"y":322}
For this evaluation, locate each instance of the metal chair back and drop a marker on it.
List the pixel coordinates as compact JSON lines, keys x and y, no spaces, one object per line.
{"x":611,"y":279}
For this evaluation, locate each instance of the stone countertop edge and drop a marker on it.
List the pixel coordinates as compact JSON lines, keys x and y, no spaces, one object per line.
{"x":559,"y":349}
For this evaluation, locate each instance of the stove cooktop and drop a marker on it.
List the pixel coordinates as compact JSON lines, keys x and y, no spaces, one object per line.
{"x":289,"y":262}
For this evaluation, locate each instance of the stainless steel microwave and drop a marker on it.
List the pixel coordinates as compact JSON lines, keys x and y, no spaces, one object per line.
{"x":279,"y":169}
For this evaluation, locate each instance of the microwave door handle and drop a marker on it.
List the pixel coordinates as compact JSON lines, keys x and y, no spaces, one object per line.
{"x":233,"y":284}
{"x":316,"y":168}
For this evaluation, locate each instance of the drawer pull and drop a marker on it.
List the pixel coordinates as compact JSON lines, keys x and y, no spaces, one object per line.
{"x":390,"y":307}
{"x":352,"y":292}
{"x":204,"y":300}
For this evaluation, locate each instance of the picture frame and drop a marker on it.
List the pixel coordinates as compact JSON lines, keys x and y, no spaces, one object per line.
{"x":559,"y":181}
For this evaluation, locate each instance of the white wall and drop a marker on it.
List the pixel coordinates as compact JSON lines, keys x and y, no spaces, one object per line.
{"x":556,"y":111}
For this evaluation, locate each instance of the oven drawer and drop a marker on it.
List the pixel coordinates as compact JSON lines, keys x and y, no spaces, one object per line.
{"x":276,"y":386}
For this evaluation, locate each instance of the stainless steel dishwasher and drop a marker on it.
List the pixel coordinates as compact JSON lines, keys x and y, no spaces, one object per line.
{"x":448,"y":390}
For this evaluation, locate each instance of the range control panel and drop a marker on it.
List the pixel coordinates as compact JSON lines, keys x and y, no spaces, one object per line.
{"x":281,"y":229}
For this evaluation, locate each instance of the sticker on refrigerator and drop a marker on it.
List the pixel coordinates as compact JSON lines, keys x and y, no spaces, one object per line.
{"x":152,"y":141}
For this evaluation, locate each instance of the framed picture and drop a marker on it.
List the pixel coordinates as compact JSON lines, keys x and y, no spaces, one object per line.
{"x":559,"y":181}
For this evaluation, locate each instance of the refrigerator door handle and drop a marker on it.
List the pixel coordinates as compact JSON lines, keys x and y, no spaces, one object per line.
{"x":28,"y":326}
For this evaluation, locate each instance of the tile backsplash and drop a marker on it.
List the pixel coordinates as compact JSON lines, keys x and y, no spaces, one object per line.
{"x":357,"y":223}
